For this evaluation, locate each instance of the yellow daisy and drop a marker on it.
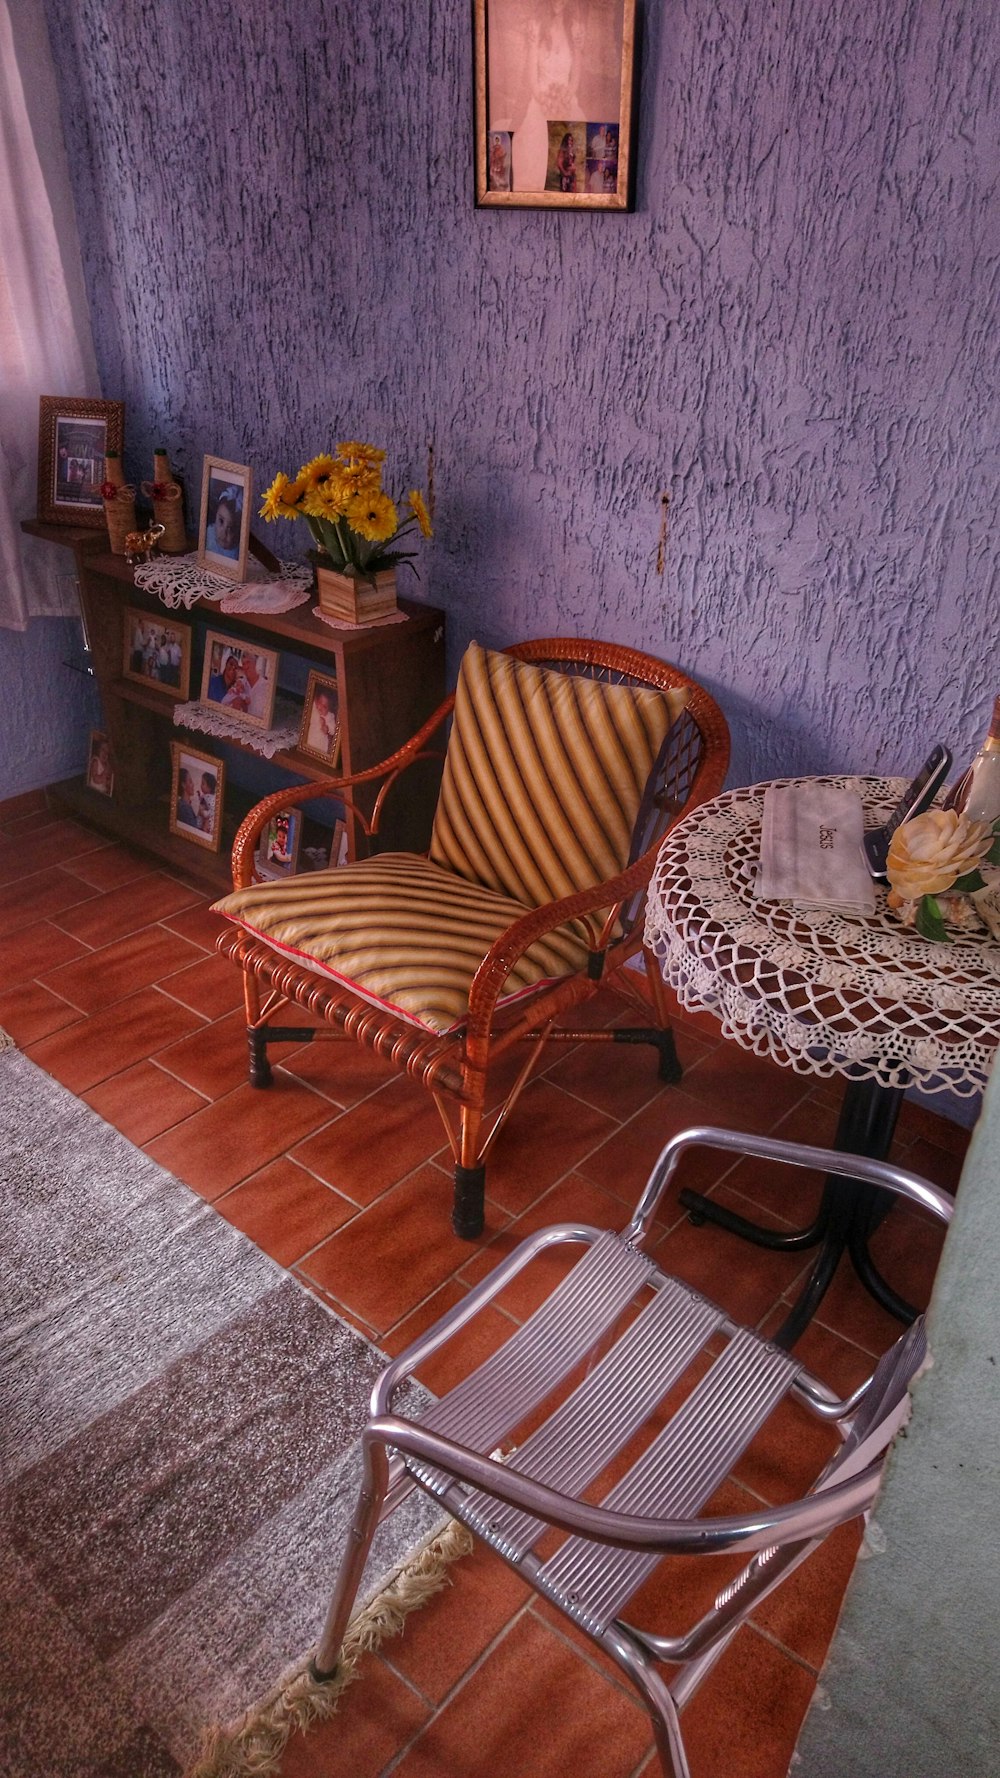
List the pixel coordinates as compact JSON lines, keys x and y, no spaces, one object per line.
{"x":326,"y":500}
{"x":316,"y":470}
{"x":372,"y":516}
{"x":420,"y":513}
{"x":283,"y":499}
{"x":357,"y":454}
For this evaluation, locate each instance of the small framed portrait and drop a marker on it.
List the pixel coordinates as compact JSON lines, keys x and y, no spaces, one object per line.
{"x":280,"y":842}
{"x":196,"y":794}
{"x":240,"y":677}
{"x":74,"y":437}
{"x":319,"y":735}
{"x":157,"y":652}
{"x":339,"y":848}
{"x":224,"y":529}
{"x":555,"y":99}
{"x":100,"y":770}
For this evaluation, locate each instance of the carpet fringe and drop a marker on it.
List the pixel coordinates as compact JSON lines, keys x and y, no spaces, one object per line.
{"x":6,"y":1040}
{"x":253,"y":1746}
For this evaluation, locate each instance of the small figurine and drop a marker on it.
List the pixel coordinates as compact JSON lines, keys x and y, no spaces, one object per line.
{"x":141,"y":546}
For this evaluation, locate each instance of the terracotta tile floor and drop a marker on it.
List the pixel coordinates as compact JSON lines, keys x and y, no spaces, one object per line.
{"x":110,"y":983}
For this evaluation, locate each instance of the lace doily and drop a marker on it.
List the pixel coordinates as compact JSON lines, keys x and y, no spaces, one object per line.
{"x":345,"y":623}
{"x":212,"y":719}
{"x":821,"y":991}
{"x":178,"y":580}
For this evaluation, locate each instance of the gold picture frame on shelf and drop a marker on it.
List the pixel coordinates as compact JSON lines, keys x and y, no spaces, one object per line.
{"x":197,"y":786}
{"x":224,"y":526}
{"x":240,"y":677}
{"x":319,"y":735}
{"x":74,"y":437}
{"x":156,"y":652}
{"x":555,"y":104}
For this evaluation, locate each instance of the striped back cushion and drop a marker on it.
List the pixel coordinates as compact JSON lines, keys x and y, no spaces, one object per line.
{"x":544,"y":775}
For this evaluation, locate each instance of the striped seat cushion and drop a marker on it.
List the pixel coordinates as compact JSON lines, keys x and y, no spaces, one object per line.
{"x":544,"y":776}
{"x":403,"y":932}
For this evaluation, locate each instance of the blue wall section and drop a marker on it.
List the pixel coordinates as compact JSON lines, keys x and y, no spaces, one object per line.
{"x":47,"y":705}
{"x":793,"y":335}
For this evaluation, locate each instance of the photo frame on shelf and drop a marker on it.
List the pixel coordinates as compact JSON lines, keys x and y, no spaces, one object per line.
{"x":196,"y":791}
{"x":339,"y":847}
{"x":100,"y":767}
{"x":240,"y":677}
{"x":156,"y":652}
{"x":319,"y":735}
{"x":280,"y":843}
{"x":555,"y":104}
{"x":74,"y":437}
{"x":224,"y":526}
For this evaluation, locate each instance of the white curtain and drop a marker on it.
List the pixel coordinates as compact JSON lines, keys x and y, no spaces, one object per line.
{"x":46,"y":346}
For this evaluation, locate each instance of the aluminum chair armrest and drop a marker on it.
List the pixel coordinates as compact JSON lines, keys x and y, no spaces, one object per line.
{"x":802,"y":1520}
{"x":796,"y":1154}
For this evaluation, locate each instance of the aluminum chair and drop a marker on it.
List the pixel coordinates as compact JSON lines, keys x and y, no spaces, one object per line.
{"x":614,"y":1339}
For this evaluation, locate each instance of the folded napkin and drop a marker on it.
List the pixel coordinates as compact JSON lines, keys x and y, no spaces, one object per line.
{"x":811,"y":848}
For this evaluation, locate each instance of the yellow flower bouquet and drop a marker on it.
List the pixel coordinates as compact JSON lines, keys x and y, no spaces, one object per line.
{"x":349,"y":514}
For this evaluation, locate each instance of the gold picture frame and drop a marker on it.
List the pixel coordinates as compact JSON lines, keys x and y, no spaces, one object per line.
{"x":319,"y":734}
{"x":241,"y":677}
{"x":555,"y":104}
{"x":224,"y":525}
{"x":156,"y":652}
{"x":74,"y":437}
{"x":197,"y":786}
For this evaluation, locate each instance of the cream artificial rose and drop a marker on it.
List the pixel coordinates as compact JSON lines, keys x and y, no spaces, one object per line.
{"x":927,"y":854}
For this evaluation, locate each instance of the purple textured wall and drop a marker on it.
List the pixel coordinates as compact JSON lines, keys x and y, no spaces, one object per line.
{"x":795,"y":334}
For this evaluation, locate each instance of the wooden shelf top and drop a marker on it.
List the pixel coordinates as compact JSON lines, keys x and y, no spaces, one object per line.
{"x":89,"y":537}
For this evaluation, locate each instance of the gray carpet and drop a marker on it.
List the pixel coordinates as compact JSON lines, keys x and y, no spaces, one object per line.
{"x":177,"y":1457}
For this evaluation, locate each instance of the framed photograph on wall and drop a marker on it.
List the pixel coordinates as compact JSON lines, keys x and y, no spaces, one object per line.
{"x":74,"y":437}
{"x":555,"y":103}
{"x":196,"y":792}
{"x":224,"y":527}
{"x":156,"y":651}
{"x":319,"y":735}
{"x":100,"y":770}
{"x":240,"y":677}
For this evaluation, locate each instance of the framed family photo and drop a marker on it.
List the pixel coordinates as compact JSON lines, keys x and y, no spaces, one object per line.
{"x":196,"y":793}
{"x":100,"y":769}
{"x":224,"y":527}
{"x":555,"y":103}
{"x":319,"y":735}
{"x":74,"y":437}
{"x":240,"y":677}
{"x":156,"y":651}
{"x":280,"y":842}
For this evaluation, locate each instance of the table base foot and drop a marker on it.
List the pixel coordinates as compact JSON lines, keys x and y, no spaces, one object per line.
{"x":701,"y":1210}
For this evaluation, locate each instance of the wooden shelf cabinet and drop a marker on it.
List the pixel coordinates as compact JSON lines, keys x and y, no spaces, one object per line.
{"x":390,"y":678}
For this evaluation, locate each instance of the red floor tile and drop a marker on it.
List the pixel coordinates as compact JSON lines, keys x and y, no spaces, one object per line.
{"x":35,"y":948}
{"x":114,"y":915}
{"x":112,"y":1040}
{"x":142,"y":1101}
{"x":392,"y":1255}
{"x":24,"y":804}
{"x":345,"y":1155}
{"x":438,"y":1646}
{"x":378,"y":1714}
{"x":110,"y":868}
{"x":56,"y":843}
{"x":745,"y":1720}
{"x":30,"y":1012}
{"x":199,"y":925}
{"x":99,"y":978}
{"x":211,"y":985}
{"x":237,"y":1135}
{"x":548,"y":1134}
{"x":38,"y":897}
{"x":285,"y":1210}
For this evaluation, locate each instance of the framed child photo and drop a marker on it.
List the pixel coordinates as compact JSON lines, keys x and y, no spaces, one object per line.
{"x":224,"y":527}
{"x":319,"y":735}
{"x":156,"y":651}
{"x":280,"y":842}
{"x":339,"y":844}
{"x":74,"y":437}
{"x":196,"y":793}
{"x":555,"y":97}
{"x":100,"y":769}
{"x":240,"y":677}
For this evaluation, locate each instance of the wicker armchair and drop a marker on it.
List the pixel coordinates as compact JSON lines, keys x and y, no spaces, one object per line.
{"x":517,"y":956}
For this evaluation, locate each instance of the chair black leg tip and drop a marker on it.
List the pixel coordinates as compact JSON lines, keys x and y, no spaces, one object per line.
{"x":319,"y":1677}
{"x":468,"y":1211}
{"x":260,"y":1067}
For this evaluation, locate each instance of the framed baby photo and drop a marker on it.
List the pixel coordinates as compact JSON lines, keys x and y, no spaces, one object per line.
{"x":156,"y":651}
{"x":280,"y":842}
{"x":240,"y":677}
{"x":319,"y":735}
{"x":100,"y":769}
{"x":555,"y":103}
{"x":196,"y":793}
{"x":224,"y":526}
{"x":339,"y":844}
{"x":74,"y":437}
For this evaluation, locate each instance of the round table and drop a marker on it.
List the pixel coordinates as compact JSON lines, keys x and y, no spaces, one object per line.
{"x":823,"y":992}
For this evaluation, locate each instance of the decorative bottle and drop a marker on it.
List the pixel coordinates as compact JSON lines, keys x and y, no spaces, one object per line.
{"x":119,"y":503}
{"x":167,"y":495}
{"x":977,"y":793}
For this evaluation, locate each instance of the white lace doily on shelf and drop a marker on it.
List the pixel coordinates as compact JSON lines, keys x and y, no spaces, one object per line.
{"x":178,"y":580}
{"x":821,"y":991}
{"x":212,"y":719}
{"x":371,"y":623}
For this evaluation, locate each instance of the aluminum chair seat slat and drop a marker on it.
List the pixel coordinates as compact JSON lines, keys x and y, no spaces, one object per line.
{"x":514,"y":1380}
{"x":674,"y":1476}
{"x":588,"y":1429}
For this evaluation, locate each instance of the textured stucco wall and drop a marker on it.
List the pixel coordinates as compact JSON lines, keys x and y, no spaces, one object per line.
{"x":47,"y":705}
{"x":912,"y":1685}
{"x":795,"y":334}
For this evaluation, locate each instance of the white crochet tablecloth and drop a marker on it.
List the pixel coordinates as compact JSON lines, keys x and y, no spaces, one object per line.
{"x":820,"y":991}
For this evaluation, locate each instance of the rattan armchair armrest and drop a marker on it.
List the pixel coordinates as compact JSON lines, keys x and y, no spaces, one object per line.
{"x":253,"y":824}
